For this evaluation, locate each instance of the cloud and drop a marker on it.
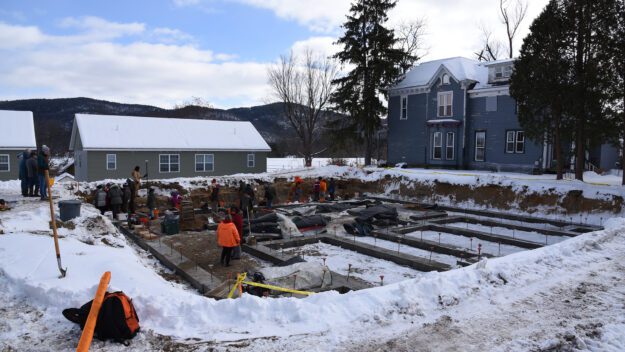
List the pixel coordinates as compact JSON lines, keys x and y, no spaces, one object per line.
{"x":319,"y":45}
{"x":98,"y":28}
{"x":183,"y":3}
{"x":452,"y":24}
{"x":139,"y":72}
{"x":319,"y":16}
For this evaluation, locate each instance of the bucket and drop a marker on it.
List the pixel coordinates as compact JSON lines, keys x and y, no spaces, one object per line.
{"x":69,"y":209}
{"x":143,"y":220}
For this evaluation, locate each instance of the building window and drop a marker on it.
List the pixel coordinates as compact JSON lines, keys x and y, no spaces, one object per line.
{"x":449,"y":150}
{"x":4,"y":163}
{"x":503,"y":71}
{"x":480,"y":145}
{"x":437,"y":150}
{"x":251,"y":160}
{"x":404,"y":108}
{"x":169,"y":163}
{"x":445,"y":104}
{"x":515,"y":142}
{"x":204,"y":162}
{"x":445,"y":79}
{"x":111,"y":161}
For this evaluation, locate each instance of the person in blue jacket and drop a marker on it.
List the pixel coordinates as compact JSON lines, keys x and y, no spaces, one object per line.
{"x":23,"y":172}
{"x":43,"y":164}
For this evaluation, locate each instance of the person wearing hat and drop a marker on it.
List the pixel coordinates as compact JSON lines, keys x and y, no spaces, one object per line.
{"x":228,"y":238}
{"x":43,"y":164}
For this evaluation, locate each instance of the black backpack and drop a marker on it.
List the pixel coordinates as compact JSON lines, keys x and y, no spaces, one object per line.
{"x":117,"y":319}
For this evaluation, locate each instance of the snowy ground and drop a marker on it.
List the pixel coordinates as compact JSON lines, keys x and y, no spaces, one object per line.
{"x":565,"y":297}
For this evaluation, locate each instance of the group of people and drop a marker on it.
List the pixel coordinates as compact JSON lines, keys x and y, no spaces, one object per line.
{"x":112,"y":197}
{"x":322,"y":190}
{"x":32,"y":172}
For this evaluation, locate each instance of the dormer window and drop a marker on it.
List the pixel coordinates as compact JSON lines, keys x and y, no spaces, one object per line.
{"x":502,"y":72}
{"x":445,"y":79}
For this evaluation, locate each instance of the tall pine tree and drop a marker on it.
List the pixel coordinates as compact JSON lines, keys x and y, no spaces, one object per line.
{"x":540,"y":81}
{"x":370,"y":48}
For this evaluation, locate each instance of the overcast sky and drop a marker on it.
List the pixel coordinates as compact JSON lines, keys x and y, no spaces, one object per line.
{"x":163,"y":52}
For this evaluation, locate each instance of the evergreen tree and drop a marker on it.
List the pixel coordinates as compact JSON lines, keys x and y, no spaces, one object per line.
{"x":370,"y":48}
{"x":540,"y":82}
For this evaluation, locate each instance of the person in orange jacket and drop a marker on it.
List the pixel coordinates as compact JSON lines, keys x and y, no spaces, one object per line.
{"x":323,"y":188}
{"x":228,"y":238}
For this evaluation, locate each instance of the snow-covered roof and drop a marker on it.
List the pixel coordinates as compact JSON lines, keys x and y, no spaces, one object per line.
{"x":112,"y":132}
{"x":460,"y":68}
{"x":17,"y":130}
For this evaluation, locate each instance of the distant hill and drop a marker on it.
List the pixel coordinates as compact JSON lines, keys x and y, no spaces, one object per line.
{"x":54,"y":118}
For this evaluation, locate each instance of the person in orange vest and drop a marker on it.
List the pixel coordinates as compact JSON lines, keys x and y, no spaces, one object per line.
{"x":228,"y":238}
{"x":323,"y":188}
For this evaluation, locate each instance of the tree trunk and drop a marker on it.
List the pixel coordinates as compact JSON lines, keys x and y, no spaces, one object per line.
{"x":558,"y":151}
{"x":368,"y":149}
{"x":307,"y":154}
{"x":580,"y":151}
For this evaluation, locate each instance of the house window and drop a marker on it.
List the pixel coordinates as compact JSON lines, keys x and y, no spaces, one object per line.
{"x":445,"y":79}
{"x":480,"y":145}
{"x":449,"y":150}
{"x":169,"y":163}
{"x":251,"y":160}
{"x":515,"y":142}
{"x":437,"y":150}
{"x":111,"y":161}
{"x":503,"y":71}
{"x":4,"y":163}
{"x":404,"y":108}
{"x":204,"y":162}
{"x":445,"y":104}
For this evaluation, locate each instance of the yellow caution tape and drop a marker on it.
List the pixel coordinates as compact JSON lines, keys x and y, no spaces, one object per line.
{"x":277,"y":288}
{"x":242,"y":277}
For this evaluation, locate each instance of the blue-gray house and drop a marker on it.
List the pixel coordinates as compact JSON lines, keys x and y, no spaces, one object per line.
{"x":458,"y":113}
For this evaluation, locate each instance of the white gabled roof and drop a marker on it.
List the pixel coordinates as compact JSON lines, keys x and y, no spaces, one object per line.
{"x":111,"y":132}
{"x":17,"y":130}
{"x":462,"y":69}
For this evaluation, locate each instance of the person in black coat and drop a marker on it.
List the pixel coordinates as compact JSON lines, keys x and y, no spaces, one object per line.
{"x":126,"y":194}
{"x":23,"y":172}
{"x":43,"y":164}
{"x":31,"y":170}
{"x":115,"y":199}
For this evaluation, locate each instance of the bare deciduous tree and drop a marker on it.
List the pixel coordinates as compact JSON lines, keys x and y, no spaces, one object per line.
{"x":194,"y":101}
{"x":512,"y":14}
{"x":409,"y":35}
{"x":490,"y":47}
{"x":304,"y":86}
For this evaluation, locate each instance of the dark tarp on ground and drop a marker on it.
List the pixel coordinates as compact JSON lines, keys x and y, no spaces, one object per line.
{"x":359,"y":228}
{"x":271,"y":217}
{"x":267,"y":237}
{"x":334,"y":208}
{"x":310,"y":221}
{"x":263,"y":227}
{"x":377,"y":211}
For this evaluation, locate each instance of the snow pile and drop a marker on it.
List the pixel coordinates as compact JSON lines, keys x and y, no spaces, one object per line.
{"x":28,"y":268}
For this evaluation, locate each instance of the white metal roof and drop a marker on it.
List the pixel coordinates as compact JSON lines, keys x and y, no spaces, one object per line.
{"x":17,"y":130}
{"x":112,"y":132}
{"x":460,"y":68}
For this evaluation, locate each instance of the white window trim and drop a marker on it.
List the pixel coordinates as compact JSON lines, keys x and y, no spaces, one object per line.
{"x":445,"y":79}
{"x":508,"y":141}
{"x":253,"y":160}
{"x":115,"y":161}
{"x":440,"y":140}
{"x":452,"y":146}
{"x":204,"y":163}
{"x":401,"y":107}
{"x":8,"y":162}
{"x":515,"y":141}
{"x":169,"y":163}
{"x":438,"y":103}
{"x":476,"y":147}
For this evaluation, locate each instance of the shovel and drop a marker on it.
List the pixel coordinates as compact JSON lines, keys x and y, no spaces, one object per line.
{"x":56,"y":235}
